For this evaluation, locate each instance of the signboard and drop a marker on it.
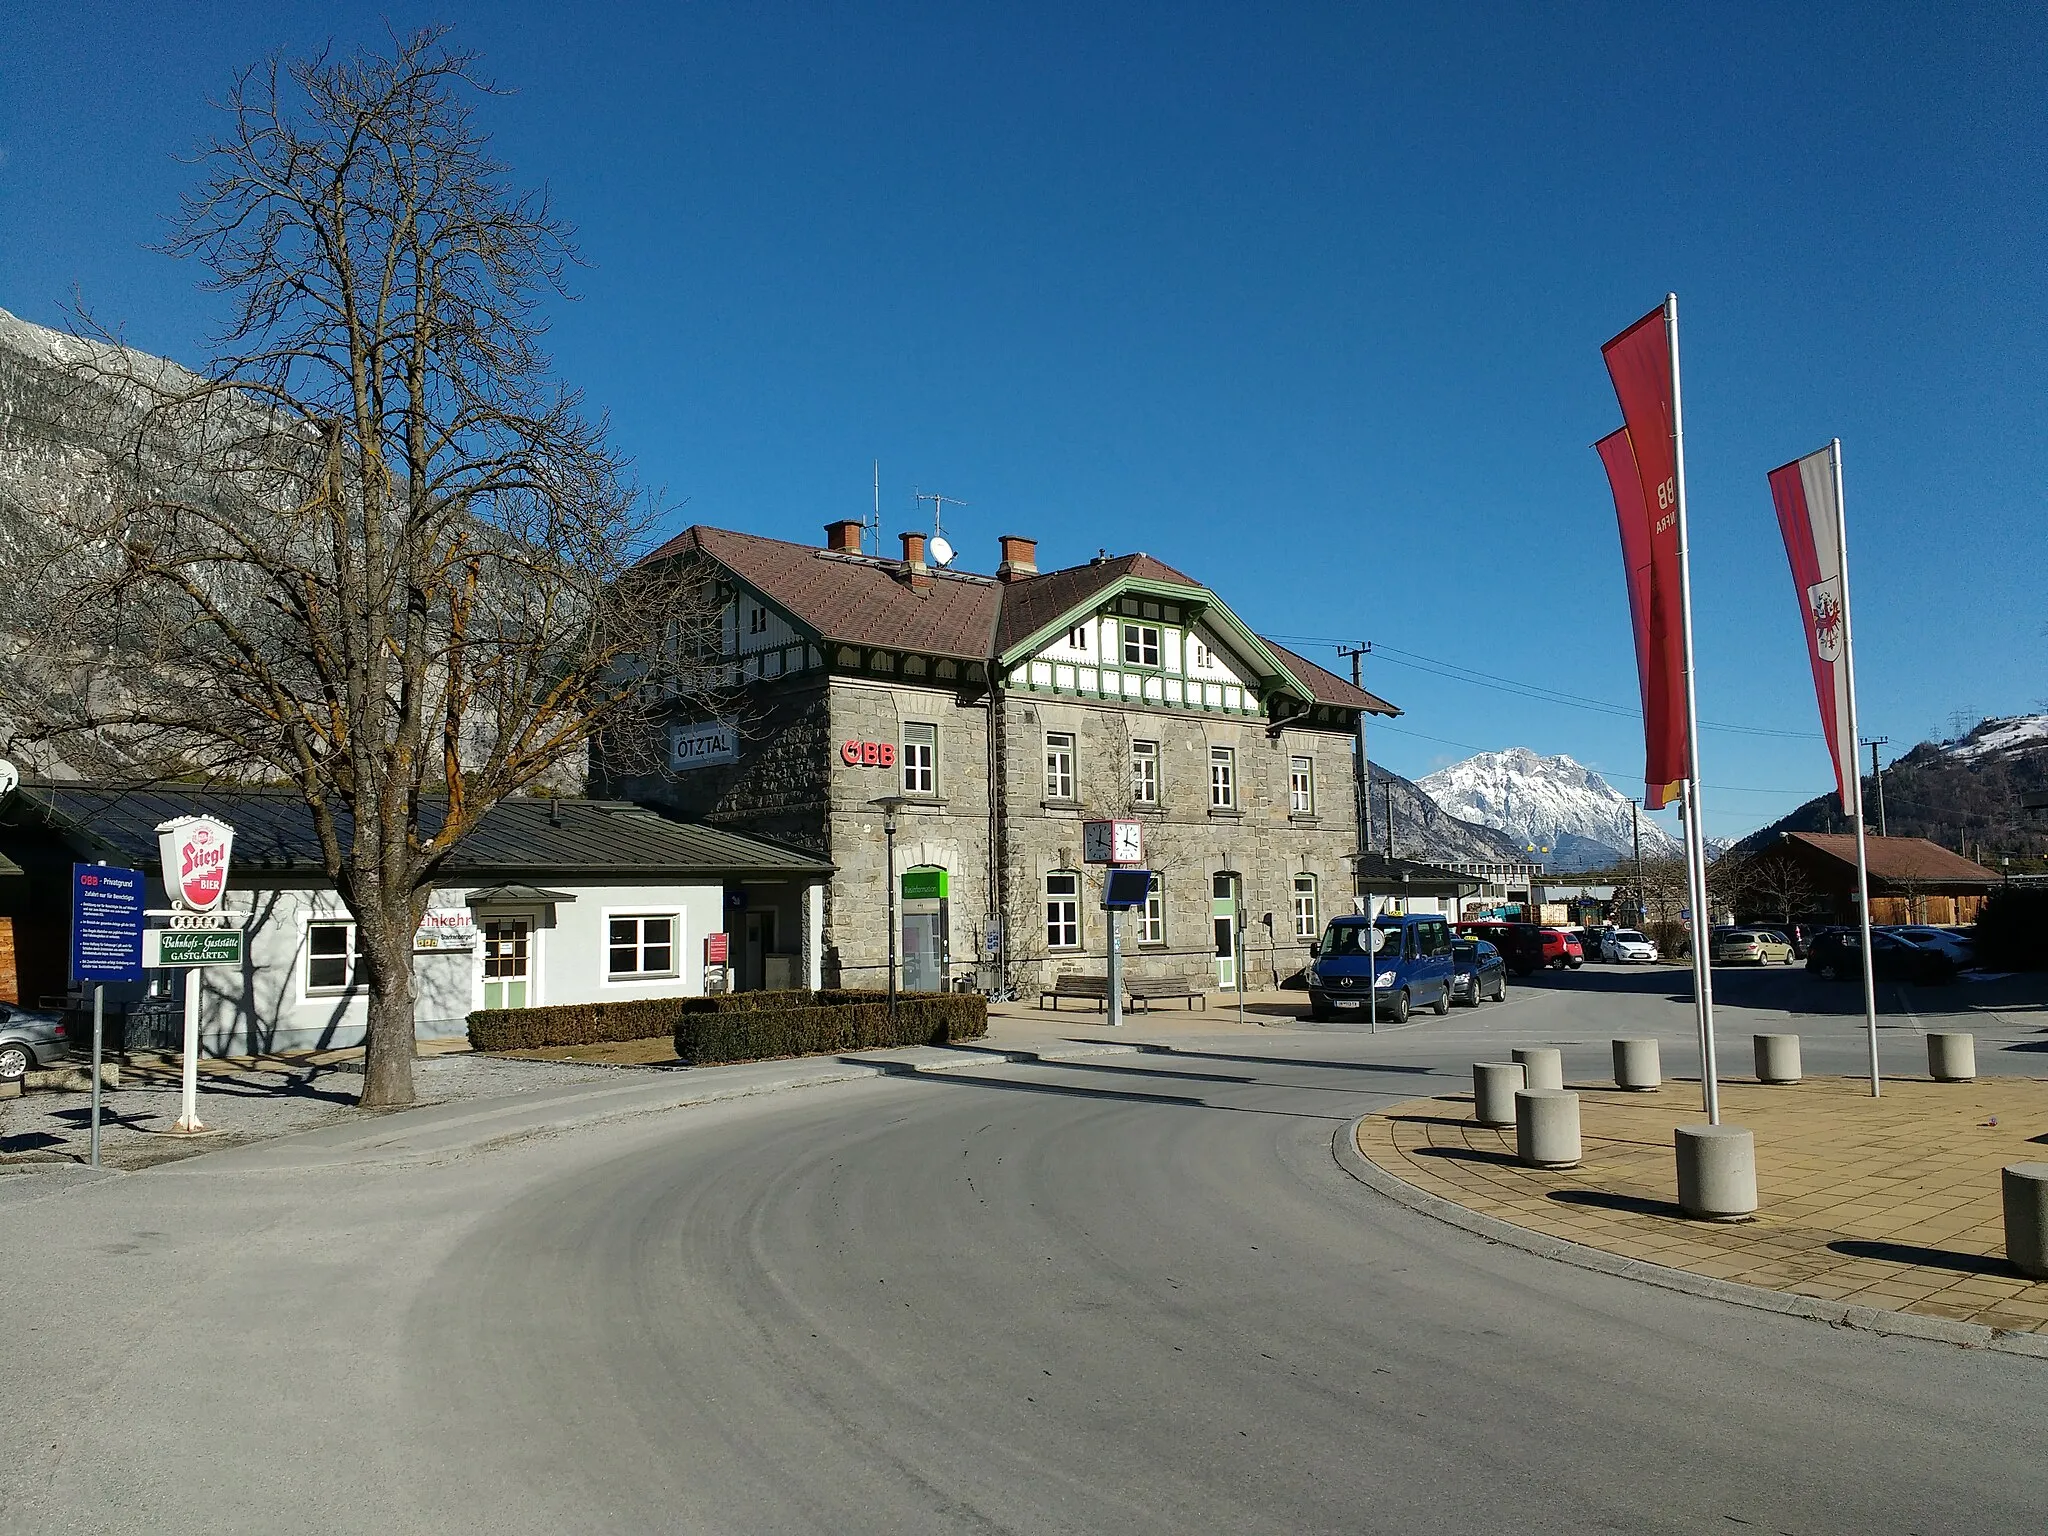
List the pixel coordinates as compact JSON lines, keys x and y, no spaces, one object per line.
{"x":926,"y":885}
{"x":171,"y":948}
{"x":868,"y":754}
{"x":994,"y":937}
{"x":106,"y":923}
{"x":446,"y":928}
{"x":195,"y":851}
{"x":1124,"y":889}
{"x":1112,"y":842}
{"x":717,"y":946}
{"x":703,"y":745}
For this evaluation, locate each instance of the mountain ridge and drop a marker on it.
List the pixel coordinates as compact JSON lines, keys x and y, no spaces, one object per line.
{"x":1553,"y":810}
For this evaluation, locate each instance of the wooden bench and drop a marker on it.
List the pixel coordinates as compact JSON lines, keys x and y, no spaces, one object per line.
{"x":1094,"y":988}
{"x":1149,"y":989}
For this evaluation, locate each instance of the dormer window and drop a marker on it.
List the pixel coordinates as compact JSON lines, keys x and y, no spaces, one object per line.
{"x":1141,"y":645}
{"x":757,"y":621}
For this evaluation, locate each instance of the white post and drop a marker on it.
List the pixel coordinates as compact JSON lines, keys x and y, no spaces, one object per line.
{"x":1116,"y":966}
{"x":1696,"y":849}
{"x":188,"y":1122}
{"x":99,"y":1005}
{"x":1855,"y":780}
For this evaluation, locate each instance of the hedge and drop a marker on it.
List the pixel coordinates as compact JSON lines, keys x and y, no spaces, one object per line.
{"x":518,"y":1029}
{"x":704,"y":1038}
{"x":768,"y":1002}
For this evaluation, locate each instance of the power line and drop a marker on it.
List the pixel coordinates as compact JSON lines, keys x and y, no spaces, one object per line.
{"x":1537,"y":691}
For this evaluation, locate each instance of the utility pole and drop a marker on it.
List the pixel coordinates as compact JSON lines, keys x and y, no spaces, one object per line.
{"x":1390,"y":821}
{"x":1877,"y":773}
{"x":1358,"y":653}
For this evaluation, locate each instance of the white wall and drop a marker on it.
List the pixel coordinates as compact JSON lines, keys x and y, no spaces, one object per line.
{"x":266,"y":1005}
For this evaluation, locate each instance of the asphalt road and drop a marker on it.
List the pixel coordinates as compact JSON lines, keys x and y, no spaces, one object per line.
{"x":1132,"y":1294}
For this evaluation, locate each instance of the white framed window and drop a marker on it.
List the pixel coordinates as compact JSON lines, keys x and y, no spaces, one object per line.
{"x":1063,"y":910}
{"x":1077,"y":637}
{"x":1201,"y":655}
{"x":1145,"y":772}
{"x":1152,"y":916}
{"x":334,"y":958}
{"x":920,"y":758}
{"x":1223,"y":778}
{"x":640,"y":945}
{"x":1059,"y":765}
{"x":1307,"y":922}
{"x":1301,"y":786}
{"x":1141,"y":645}
{"x":757,"y":621}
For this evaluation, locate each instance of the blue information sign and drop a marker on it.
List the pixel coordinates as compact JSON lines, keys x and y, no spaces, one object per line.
{"x":106,"y":923}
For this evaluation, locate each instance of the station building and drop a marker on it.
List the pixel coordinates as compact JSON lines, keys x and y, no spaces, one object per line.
{"x":1004,"y":711}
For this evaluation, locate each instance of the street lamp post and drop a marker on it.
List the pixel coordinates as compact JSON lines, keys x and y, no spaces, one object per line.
{"x":889,"y":805}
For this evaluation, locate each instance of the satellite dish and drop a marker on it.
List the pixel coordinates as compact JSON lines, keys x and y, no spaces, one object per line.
{"x":10,"y":778}
{"x":941,"y":550}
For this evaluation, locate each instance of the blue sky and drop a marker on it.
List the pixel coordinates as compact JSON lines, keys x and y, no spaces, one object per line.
{"x":1305,"y":300}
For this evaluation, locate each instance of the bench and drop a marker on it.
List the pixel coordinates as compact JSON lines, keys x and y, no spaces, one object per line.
{"x":1093,"y":988}
{"x":1150,"y":989}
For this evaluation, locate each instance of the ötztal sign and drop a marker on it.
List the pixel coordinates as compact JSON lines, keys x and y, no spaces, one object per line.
{"x":195,"y":851}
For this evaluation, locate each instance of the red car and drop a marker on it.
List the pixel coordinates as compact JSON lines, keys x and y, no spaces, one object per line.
{"x":1561,"y":949}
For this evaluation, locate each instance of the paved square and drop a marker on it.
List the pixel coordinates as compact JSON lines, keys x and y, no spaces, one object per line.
{"x":1890,"y":1202}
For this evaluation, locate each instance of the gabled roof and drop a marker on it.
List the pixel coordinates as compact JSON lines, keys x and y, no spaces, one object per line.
{"x":274,"y":832}
{"x":1380,"y":875}
{"x":1897,"y":859}
{"x":859,"y":599}
{"x":1327,"y":686}
{"x":1031,"y":604}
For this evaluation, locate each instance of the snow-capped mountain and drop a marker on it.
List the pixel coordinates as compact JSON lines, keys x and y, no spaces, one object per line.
{"x":2011,"y":733}
{"x":1545,"y":803}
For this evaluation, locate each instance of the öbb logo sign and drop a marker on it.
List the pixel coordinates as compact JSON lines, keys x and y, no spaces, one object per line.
{"x":868,"y":754}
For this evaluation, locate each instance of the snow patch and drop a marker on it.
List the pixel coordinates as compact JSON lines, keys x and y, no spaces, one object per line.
{"x":2008,"y":734}
{"x":1560,"y":812}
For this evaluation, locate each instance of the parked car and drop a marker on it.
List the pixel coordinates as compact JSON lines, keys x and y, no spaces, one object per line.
{"x":1837,"y":956}
{"x":29,"y":1038}
{"x":1520,"y":944}
{"x":1623,"y":945}
{"x":1959,"y":947}
{"x":1798,"y":935}
{"x":1561,"y":949}
{"x":1411,"y":967}
{"x":1478,"y":972}
{"x":1755,"y":946}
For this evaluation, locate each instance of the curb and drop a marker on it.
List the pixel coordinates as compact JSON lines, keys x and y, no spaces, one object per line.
{"x":1837,"y":1314}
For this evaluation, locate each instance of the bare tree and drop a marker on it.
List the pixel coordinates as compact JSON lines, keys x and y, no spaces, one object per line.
{"x":1780,"y":887}
{"x":376,"y":551}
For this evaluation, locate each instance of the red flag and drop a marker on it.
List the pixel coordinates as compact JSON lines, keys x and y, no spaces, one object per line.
{"x":1639,"y":362}
{"x":1810,"y":517}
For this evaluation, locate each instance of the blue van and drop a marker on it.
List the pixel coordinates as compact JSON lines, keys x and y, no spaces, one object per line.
{"x":1413,"y":965}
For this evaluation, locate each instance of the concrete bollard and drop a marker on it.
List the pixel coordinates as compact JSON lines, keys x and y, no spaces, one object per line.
{"x":1494,"y":1086}
{"x":1952,"y":1058}
{"x":1547,"y":1128}
{"x":1636,"y":1065}
{"x":2025,"y":1188}
{"x":1716,"y":1171}
{"x":1542,"y":1065}
{"x":1777,"y":1058}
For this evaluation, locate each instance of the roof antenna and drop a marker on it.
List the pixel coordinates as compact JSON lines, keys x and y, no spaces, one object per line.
{"x":874,"y":541}
{"x":554,"y":811}
{"x":941,"y":547}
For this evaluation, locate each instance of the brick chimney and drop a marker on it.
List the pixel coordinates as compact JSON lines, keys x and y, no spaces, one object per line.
{"x":913,"y":560}
{"x":843,"y":536}
{"x":1020,"y":557}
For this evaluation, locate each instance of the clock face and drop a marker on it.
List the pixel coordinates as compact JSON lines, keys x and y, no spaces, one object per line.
{"x":1125,"y":843}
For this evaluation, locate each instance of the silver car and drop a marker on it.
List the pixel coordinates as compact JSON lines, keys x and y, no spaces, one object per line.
{"x":29,"y":1038}
{"x":1625,"y":944}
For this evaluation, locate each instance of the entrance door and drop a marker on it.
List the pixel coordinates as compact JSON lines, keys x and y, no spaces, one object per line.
{"x":1223,"y":905}
{"x":758,"y":943}
{"x":923,"y":964}
{"x":508,"y":943}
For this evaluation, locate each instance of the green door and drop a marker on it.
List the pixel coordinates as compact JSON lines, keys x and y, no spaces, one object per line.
{"x":507,"y":945}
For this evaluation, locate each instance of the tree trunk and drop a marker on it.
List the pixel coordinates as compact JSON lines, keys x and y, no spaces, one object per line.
{"x":388,"y":1048}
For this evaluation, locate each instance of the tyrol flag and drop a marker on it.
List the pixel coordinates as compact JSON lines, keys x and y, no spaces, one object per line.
{"x":1643,"y":474}
{"x":1807,"y":493}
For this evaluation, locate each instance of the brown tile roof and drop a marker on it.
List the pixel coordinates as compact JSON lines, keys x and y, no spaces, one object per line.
{"x":1038,"y":600}
{"x":1895,"y":859}
{"x":1328,"y":687}
{"x":860,"y":599}
{"x":864,"y":600}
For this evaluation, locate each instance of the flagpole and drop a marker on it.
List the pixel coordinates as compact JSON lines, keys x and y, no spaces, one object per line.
{"x":1853,"y":779}
{"x":1696,"y":843}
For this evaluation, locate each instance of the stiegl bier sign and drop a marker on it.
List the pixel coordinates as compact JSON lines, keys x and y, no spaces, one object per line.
{"x":195,"y":851}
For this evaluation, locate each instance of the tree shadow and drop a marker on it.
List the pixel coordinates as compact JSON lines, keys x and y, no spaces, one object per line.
{"x":1077,"y":1091}
{"x":30,"y":1141}
{"x":1928,"y":1258}
{"x":1469,"y":1155}
{"x":1293,"y":1061}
